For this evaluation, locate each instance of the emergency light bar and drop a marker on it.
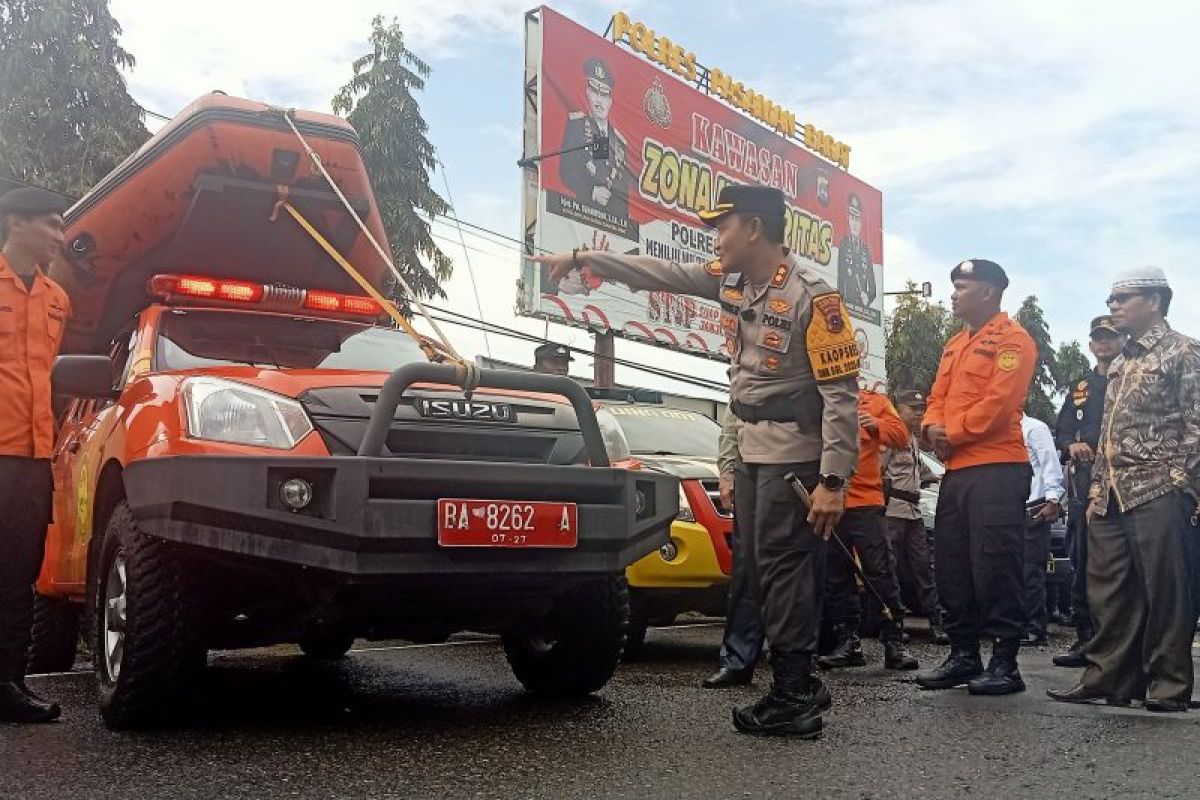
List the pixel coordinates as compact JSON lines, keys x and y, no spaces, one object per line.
{"x":270,"y":297}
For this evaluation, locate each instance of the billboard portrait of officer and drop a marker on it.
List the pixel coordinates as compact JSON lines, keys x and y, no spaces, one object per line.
{"x":856,"y":276}
{"x":599,"y":182}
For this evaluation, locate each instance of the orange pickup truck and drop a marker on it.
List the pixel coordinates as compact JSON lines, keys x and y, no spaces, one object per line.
{"x":247,"y":457}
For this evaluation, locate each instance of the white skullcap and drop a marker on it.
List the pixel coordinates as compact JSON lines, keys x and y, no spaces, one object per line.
{"x":1141,"y":278}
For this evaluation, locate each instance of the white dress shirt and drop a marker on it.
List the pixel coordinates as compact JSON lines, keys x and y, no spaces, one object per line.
{"x":1043,"y":457}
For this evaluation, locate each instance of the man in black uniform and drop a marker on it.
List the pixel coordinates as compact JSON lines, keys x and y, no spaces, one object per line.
{"x":793,"y":386}
{"x":552,"y":359}
{"x":856,"y":276}
{"x":599,"y":182}
{"x":1077,"y":435}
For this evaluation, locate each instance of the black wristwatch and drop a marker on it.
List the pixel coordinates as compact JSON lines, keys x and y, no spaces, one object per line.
{"x":833,"y":482}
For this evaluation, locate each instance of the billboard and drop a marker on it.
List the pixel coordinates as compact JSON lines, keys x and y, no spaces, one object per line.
{"x":671,"y":147}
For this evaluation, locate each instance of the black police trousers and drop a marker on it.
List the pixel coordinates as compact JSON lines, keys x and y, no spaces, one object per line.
{"x":26,"y":488}
{"x":1077,"y":550}
{"x":787,"y":558}
{"x":1037,"y":553}
{"x":978,"y":551}
{"x":860,"y":529}
{"x":742,"y":642}
{"x":914,"y":563}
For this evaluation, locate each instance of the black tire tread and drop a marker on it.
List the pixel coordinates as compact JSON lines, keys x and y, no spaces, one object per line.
{"x":590,"y":625}
{"x":162,"y":657}
{"x":55,"y":637}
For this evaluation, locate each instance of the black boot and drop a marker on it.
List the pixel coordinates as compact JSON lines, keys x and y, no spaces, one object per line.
{"x":962,"y":665}
{"x":1001,"y":675}
{"x":728,"y":676}
{"x":937,"y":633}
{"x":894,"y":654}
{"x":848,"y":651}
{"x":794,"y":705}
{"x":1074,"y":657}
{"x":17,"y":704}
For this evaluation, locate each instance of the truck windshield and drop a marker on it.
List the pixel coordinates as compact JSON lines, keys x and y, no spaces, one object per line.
{"x":653,"y":430}
{"x":201,"y":339}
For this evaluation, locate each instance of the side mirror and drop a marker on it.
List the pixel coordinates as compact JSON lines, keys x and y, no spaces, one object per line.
{"x":83,"y":376}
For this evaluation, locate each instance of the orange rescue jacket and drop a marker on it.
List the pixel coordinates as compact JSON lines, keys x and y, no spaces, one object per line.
{"x":866,"y":487}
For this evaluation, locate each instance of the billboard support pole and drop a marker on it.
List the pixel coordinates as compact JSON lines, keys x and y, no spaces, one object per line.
{"x":604,"y":370}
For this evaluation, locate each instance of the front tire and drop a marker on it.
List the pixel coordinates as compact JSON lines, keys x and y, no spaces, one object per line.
{"x":55,"y":635}
{"x":575,"y":649}
{"x":148,"y":655}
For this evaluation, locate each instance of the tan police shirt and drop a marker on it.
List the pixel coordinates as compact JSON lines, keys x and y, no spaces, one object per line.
{"x":788,"y":337}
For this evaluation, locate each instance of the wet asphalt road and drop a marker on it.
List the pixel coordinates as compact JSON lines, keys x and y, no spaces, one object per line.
{"x":450,"y":721}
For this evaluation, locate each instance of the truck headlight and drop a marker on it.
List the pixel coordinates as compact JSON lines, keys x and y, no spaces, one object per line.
{"x":685,"y":508}
{"x":227,"y":411}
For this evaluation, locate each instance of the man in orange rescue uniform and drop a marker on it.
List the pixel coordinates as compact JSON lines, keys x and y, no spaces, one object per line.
{"x":33,"y":314}
{"x":862,"y":527}
{"x":973,"y":422}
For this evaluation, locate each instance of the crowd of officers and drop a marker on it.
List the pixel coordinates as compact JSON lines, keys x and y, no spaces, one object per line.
{"x":825,"y":481}
{"x":814,"y":460}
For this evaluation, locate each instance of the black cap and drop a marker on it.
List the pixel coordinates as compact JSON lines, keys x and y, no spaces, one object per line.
{"x":854,"y":205}
{"x":979,"y":269}
{"x":32,"y":201}
{"x":910,"y":397}
{"x":599,"y":76}
{"x":552,"y":352}
{"x":757,"y":201}
{"x":1104,"y":324}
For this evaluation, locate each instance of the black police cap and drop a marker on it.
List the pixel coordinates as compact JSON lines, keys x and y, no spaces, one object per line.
{"x":552,"y":352}
{"x":1103,"y":324}
{"x":757,"y":201}
{"x":910,"y":397}
{"x":599,"y":76}
{"x":980,"y":269}
{"x":32,"y":201}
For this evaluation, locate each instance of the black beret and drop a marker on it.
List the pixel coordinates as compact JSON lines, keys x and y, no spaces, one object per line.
{"x":979,"y":269}
{"x":551,"y":351}
{"x":757,"y":201}
{"x":32,"y":200}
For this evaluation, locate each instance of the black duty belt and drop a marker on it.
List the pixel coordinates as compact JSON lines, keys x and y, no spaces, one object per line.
{"x":891,"y":493}
{"x":801,"y":409}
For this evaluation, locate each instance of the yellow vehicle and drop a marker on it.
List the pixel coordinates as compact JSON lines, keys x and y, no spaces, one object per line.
{"x":691,"y":572}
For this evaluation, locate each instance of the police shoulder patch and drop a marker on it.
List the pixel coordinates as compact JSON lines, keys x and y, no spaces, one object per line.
{"x":832,"y":348}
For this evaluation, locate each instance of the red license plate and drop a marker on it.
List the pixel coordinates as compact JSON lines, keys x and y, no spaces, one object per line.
{"x":506,"y":523}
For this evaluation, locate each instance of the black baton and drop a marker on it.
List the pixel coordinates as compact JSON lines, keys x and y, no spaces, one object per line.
{"x":806,"y":499}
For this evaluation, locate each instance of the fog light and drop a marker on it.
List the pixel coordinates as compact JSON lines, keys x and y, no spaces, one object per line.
{"x":668,"y":551}
{"x":296,"y":493}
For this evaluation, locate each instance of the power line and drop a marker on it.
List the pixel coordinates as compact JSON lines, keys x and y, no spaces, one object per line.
{"x":487,"y":343}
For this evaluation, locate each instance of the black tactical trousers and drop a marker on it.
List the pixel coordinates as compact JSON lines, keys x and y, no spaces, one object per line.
{"x":1077,"y":547}
{"x":978,"y":549}
{"x":787,"y":557}
{"x":1037,"y":553}
{"x":914,"y":571}
{"x":26,"y":488}
{"x":743,"y":640}
{"x":861,"y":529}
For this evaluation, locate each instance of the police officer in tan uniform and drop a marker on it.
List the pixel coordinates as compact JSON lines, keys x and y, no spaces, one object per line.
{"x":793,"y":384}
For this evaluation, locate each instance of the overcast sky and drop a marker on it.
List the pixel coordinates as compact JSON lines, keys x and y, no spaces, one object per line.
{"x":1057,"y":138}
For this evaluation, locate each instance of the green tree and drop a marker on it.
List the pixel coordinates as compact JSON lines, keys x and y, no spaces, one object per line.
{"x":378,"y":101}
{"x":1039,"y":403}
{"x":1070,"y":365}
{"x":66,"y":117}
{"x":917,"y":331}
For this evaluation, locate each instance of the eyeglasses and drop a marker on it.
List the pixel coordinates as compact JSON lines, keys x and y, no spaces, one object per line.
{"x":1121,"y":298}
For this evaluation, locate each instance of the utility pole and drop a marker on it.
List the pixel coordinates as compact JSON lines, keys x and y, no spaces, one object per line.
{"x":604,"y":370}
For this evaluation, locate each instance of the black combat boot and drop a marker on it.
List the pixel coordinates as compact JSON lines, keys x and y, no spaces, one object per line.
{"x":894,"y":654}
{"x":794,"y":705}
{"x":962,"y":665}
{"x":20,"y":705}
{"x":1001,"y":675}
{"x":848,"y":651}
{"x":1074,"y":657}
{"x":937,"y":633}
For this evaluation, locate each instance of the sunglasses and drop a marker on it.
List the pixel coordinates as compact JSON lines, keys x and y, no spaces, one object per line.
{"x":1120,"y":298}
